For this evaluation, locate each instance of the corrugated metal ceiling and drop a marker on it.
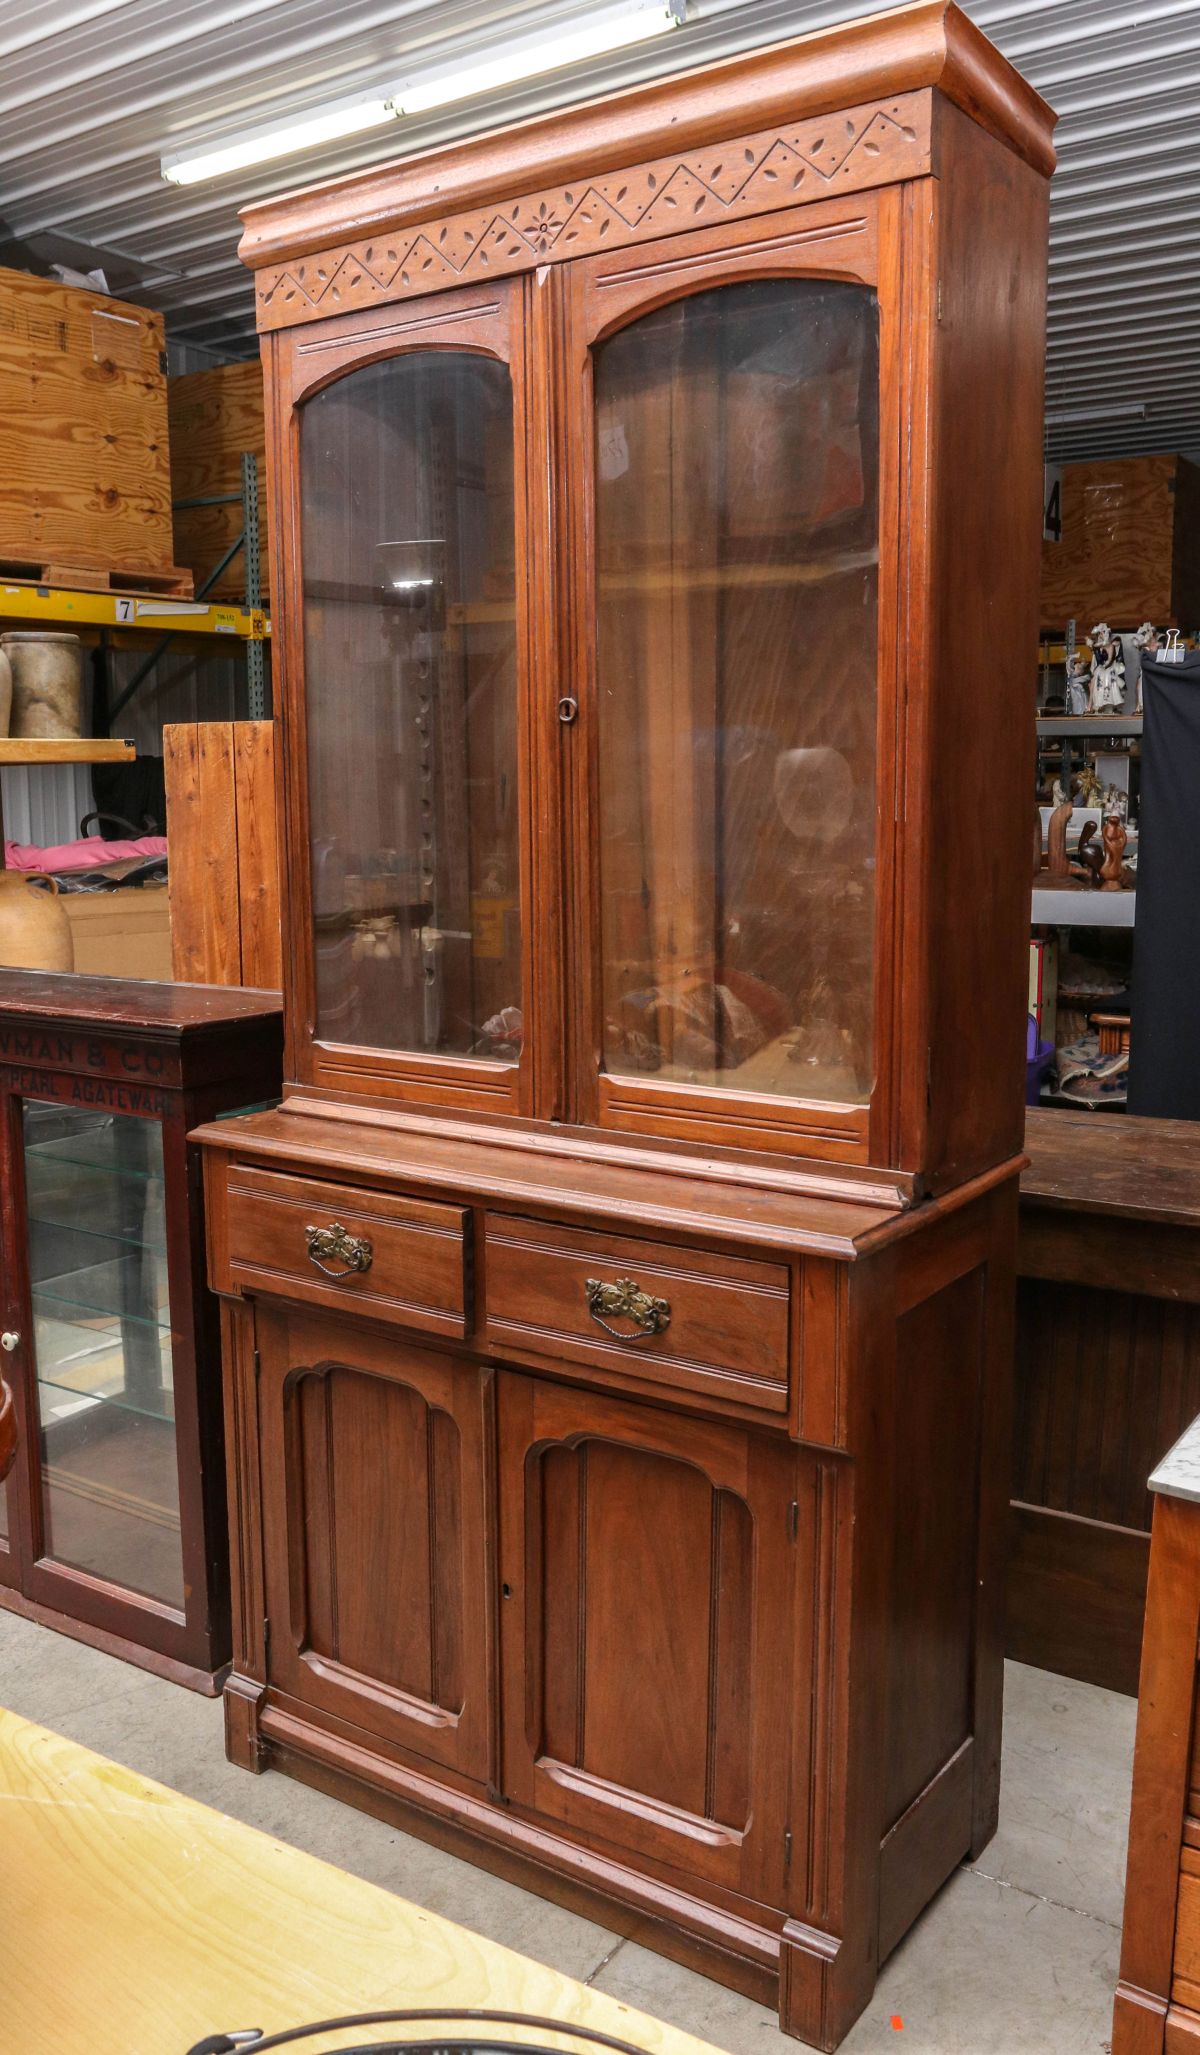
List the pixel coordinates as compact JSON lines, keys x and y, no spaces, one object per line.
{"x":93,"y":91}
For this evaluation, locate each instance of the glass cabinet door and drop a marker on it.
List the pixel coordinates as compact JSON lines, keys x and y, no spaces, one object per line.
{"x":97,"y":1256}
{"x":410,"y":662}
{"x":736,"y":467}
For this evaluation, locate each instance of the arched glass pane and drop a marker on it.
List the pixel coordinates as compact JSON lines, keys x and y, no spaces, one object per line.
{"x":410,"y":668}
{"x":737,"y":440}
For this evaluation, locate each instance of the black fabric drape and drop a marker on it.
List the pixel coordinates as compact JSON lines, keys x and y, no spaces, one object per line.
{"x":1164,"y":1047}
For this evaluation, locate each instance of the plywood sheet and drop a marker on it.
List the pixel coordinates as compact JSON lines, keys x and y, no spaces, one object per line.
{"x":1130,"y":546}
{"x":140,"y":1920}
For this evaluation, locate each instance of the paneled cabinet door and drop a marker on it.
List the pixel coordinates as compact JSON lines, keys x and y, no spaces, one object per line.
{"x":374,"y":1461}
{"x":648,"y":1567}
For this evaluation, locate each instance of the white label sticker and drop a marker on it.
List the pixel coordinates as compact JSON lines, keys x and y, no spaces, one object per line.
{"x":613,"y":452}
{"x":124,"y":610}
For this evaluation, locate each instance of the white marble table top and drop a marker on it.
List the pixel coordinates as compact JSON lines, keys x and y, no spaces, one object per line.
{"x":1178,"y":1475}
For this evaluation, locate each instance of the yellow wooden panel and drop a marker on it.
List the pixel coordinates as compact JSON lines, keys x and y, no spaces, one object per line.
{"x":137,"y":1920}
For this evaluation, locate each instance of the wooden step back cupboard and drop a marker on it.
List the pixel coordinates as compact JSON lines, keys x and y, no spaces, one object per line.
{"x":618,"y":1308}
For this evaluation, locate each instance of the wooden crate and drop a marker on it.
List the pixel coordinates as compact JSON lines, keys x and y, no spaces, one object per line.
{"x":85,"y":481}
{"x":224,"y":862}
{"x":214,"y":416}
{"x":1130,"y":549}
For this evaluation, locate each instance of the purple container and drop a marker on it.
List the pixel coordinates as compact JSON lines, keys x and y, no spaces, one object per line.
{"x":1039,"y":1057}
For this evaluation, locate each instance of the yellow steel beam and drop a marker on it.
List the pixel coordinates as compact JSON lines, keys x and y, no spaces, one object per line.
{"x":54,"y":606}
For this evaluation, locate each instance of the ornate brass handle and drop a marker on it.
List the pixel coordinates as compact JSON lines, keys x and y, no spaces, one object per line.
{"x":354,"y":1250}
{"x":627,"y":1300}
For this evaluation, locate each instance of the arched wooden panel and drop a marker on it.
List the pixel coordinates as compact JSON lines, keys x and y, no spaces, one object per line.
{"x":620,"y":1520}
{"x":398,"y":1531}
{"x":375,"y":1464}
{"x":647,"y":1585}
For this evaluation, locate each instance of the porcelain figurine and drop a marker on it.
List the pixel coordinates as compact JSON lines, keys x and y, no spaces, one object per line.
{"x":1091,"y":791}
{"x":1108,"y":671}
{"x":1078,"y":695}
{"x":1146,"y":639}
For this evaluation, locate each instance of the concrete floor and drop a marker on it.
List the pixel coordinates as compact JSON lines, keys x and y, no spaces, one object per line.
{"x":1017,"y":1956}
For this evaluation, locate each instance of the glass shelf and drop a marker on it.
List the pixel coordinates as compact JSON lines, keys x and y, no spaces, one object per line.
{"x":155,"y":1240}
{"x":90,"y":1361}
{"x":65,"y":1292}
{"x":102,"y":1147}
{"x":54,"y":1414}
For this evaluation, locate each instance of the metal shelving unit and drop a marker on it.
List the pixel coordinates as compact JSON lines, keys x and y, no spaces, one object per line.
{"x":258,"y":628}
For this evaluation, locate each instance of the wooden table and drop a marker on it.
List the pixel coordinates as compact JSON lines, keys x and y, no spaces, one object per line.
{"x":1107,"y":1378}
{"x":135,"y":1922}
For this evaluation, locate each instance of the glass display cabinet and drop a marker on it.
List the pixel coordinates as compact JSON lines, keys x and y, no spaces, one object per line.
{"x":112,"y":1524}
{"x":619,"y":1304}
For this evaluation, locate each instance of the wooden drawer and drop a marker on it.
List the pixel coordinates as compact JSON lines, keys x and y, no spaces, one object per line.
{"x":721,"y":1329}
{"x":415,"y":1252}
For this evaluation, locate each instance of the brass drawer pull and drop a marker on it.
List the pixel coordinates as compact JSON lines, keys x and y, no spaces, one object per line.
{"x":354,"y":1250}
{"x":627,"y":1300}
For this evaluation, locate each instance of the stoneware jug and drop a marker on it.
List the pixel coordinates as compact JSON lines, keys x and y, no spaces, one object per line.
{"x":47,"y":684}
{"x":35,"y":933}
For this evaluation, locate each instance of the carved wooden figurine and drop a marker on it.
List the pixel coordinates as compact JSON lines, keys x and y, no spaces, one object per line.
{"x":1058,"y":863}
{"x":1112,"y":870}
{"x":619,"y":1402}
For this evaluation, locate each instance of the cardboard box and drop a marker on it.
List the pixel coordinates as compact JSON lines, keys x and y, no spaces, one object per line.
{"x":121,"y":934}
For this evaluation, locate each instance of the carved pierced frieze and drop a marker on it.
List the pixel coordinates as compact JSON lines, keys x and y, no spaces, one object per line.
{"x":862,"y":147}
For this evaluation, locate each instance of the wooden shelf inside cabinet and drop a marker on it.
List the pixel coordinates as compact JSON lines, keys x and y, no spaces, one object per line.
{"x":1091,"y":724}
{"x":66,"y":749}
{"x":1063,"y":907}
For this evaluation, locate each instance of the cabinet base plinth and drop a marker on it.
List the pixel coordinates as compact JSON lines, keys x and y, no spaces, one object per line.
{"x":243,"y":1744}
{"x":716,"y":1943}
{"x":820,"y":1982}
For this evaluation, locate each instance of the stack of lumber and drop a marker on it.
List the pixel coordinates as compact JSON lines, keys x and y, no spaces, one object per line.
{"x":214,"y":416}
{"x":85,"y":481}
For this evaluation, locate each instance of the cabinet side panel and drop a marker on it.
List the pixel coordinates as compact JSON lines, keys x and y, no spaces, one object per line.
{"x":988,"y":311}
{"x":935,"y":1431}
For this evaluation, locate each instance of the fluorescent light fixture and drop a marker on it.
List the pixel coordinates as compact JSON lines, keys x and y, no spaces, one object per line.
{"x":325,"y":125}
{"x":604,"y":29}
